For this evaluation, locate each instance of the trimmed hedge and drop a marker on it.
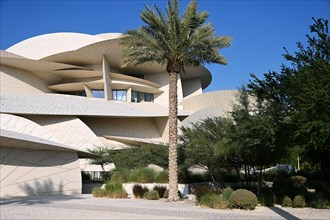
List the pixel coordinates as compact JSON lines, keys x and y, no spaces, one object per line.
{"x":243,"y":199}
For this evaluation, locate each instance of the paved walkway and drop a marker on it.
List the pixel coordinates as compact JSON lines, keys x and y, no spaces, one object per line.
{"x":87,"y":207}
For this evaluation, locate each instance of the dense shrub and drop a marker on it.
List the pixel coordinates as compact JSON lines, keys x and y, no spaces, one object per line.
{"x":275,"y":175}
{"x":115,"y":190}
{"x":142,"y":175}
{"x":291,"y":187}
{"x":151,"y":195}
{"x":139,"y":191}
{"x":266,"y":200}
{"x":98,"y":192}
{"x":213,"y":200}
{"x":227,"y":192}
{"x":243,"y":199}
{"x":161,"y":190}
{"x":298,"y":202}
{"x":287,"y":202}
{"x":161,"y":177}
{"x":318,"y":201}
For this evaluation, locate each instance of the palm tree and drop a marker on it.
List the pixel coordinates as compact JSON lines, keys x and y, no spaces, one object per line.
{"x":176,"y":42}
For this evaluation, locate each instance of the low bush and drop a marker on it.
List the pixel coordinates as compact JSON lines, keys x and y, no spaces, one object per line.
{"x":98,"y":192}
{"x":318,"y":201}
{"x":142,"y":175}
{"x":243,"y":199}
{"x":119,"y":175}
{"x":151,"y":195}
{"x":162,"y":177}
{"x":213,"y":200}
{"x":203,"y":190}
{"x":115,"y":190}
{"x":227,"y":192}
{"x":291,"y":187}
{"x":298,"y":202}
{"x":266,"y":200}
{"x":139,"y":191}
{"x":287,"y":202}
{"x":161,"y":190}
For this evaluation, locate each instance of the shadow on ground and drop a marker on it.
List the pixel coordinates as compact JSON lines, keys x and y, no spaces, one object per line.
{"x":283,"y":213}
{"x":42,"y":199}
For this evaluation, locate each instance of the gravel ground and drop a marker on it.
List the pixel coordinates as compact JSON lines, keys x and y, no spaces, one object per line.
{"x":87,"y":207}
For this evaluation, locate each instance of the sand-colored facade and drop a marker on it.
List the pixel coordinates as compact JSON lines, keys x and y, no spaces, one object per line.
{"x":64,"y":93}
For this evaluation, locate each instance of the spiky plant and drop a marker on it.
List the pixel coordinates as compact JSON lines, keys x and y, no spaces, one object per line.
{"x":175,"y":41}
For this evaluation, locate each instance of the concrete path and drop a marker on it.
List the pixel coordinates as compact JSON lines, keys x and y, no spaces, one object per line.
{"x":87,"y":207}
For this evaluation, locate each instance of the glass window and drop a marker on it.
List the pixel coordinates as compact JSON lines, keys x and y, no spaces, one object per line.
{"x":98,"y":93}
{"x":119,"y":95}
{"x":141,"y":96}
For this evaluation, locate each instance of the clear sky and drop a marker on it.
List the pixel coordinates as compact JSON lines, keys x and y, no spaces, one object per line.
{"x":260,"y":29}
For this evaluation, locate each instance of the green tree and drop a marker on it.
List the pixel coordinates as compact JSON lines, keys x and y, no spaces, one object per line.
{"x":205,"y":144}
{"x":299,"y":97}
{"x":254,"y":136}
{"x":176,"y":42}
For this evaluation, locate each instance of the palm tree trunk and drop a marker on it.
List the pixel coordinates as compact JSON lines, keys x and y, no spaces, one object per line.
{"x":173,"y":132}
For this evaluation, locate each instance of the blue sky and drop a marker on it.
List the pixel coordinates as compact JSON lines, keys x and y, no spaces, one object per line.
{"x":260,"y":29}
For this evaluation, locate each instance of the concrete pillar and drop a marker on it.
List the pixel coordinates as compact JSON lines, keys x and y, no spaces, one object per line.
{"x":129,"y":94}
{"x":106,"y":79}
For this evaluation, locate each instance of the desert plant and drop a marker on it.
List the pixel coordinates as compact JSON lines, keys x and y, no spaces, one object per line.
{"x":161,"y":190}
{"x":298,"y":202}
{"x":115,"y":190}
{"x":151,"y":195}
{"x":287,"y":202}
{"x":227,"y":192}
{"x":213,"y":200}
{"x":162,"y":177}
{"x":139,"y":191}
{"x":203,"y":190}
{"x":243,"y":199}
{"x":119,"y":175}
{"x":98,"y":192}
{"x":142,"y":175}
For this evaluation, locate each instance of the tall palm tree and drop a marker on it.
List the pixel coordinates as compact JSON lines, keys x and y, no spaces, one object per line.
{"x":176,"y":42}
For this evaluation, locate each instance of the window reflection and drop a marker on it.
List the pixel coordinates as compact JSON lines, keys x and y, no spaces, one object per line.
{"x":119,"y":95}
{"x":141,"y":96}
{"x":98,"y":93}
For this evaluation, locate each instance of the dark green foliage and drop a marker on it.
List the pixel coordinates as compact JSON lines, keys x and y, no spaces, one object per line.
{"x":161,"y":190}
{"x":243,"y":199}
{"x":165,"y":194}
{"x":151,"y":195}
{"x":98,"y":192}
{"x":205,"y":145}
{"x":275,"y":175}
{"x":213,"y":200}
{"x":227,"y":192}
{"x":298,"y":202}
{"x":136,"y":156}
{"x":319,"y":201}
{"x":201,"y":190}
{"x":266,"y":200}
{"x":139,"y":191}
{"x":287,"y":202}
{"x":115,"y":190}
{"x":292,"y":187}
{"x":298,"y":98}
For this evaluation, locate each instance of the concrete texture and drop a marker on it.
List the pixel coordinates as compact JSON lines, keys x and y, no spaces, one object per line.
{"x":86,"y":207}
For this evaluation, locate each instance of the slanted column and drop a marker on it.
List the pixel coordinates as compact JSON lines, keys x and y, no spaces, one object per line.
{"x":88,"y":91}
{"x":106,"y":79}
{"x":129,"y":94}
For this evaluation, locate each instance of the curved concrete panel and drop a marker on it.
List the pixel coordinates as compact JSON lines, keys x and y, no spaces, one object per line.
{"x":50,"y":44}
